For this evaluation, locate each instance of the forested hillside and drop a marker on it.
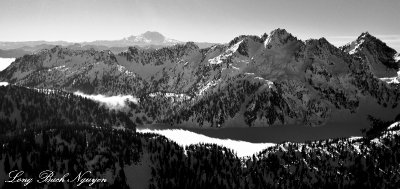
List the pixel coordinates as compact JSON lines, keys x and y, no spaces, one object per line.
{"x":22,"y":108}
{"x":370,"y":162}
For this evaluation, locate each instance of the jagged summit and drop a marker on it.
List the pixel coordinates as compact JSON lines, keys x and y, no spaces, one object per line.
{"x":364,"y":38}
{"x":264,"y":80}
{"x":278,"y":37}
{"x":365,"y":34}
{"x":324,"y":44}
{"x":379,"y":57}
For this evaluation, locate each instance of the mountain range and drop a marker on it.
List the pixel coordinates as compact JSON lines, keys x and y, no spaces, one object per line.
{"x":149,"y":39}
{"x":272,"y":79}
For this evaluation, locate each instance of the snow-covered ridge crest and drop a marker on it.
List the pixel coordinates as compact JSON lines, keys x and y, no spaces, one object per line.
{"x":112,"y":102}
{"x":355,"y":45}
{"x":220,"y":58}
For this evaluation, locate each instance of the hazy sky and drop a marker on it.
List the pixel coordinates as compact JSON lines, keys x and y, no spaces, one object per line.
{"x":340,"y":21}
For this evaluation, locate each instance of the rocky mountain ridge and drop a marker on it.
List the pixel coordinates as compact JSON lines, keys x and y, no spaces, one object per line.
{"x":253,"y":80}
{"x":149,"y":39}
{"x":382,"y":60}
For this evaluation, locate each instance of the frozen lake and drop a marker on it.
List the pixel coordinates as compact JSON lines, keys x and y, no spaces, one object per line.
{"x":5,"y":62}
{"x":186,"y":138}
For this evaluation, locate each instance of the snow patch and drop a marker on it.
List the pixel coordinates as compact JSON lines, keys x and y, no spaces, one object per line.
{"x":396,"y":57}
{"x":246,"y":73}
{"x":58,"y":68}
{"x":353,"y":138}
{"x":171,"y":95}
{"x":390,"y":80}
{"x":3,"y":83}
{"x":5,"y":62}
{"x":355,"y":46}
{"x":394,"y":125}
{"x":269,"y":83}
{"x":220,"y":58}
{"x":123,"y":70}
{"x":206,"y":87}
{"x":186,"y":138}
{"x":113,"y":102}
{"x":120,"y":68}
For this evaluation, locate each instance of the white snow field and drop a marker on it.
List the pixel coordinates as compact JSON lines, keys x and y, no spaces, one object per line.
{"x":186,"y":138}
{"x":5,"y":62}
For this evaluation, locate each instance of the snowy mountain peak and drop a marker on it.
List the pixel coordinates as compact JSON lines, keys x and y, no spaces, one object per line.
{"x":353,"y":47}
{"x":151,"y":37}
{"x":381,"y":59}
{"x":365,"y":35}
{"x":277,"y":37}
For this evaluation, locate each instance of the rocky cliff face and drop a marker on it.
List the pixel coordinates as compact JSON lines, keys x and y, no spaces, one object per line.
{"x":267,"y":80}
{"x":381,"y":59}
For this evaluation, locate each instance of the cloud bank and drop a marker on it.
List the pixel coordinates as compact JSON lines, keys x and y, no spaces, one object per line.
{"x":113,"y":102}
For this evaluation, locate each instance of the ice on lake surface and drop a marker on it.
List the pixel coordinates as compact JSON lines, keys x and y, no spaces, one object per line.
{"x":5,"y":62}
{"x":186,"y":138}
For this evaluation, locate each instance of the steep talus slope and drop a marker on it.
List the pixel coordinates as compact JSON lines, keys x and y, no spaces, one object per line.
{"x":253,"y":80}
